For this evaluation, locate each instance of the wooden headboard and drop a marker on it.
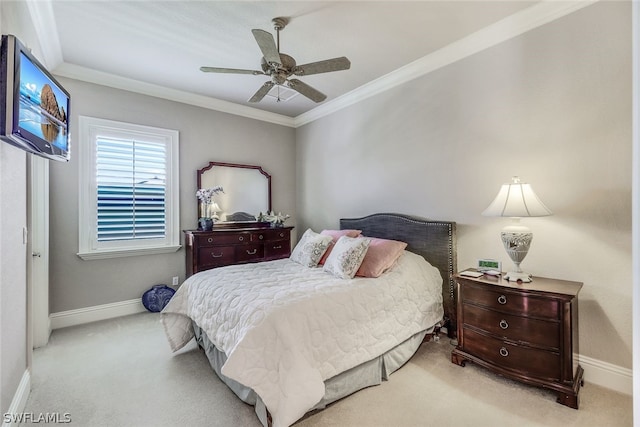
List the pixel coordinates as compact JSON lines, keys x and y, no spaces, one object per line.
{"x":433,"y":240}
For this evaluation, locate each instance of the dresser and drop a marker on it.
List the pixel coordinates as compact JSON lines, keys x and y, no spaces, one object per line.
{"x":228,"y":246}
{"x":525,"y":331}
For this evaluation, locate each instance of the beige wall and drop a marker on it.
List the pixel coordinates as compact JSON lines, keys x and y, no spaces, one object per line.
{"x":636,"y":205}
{"x":552,"y":106}
{"x":205,"y":135}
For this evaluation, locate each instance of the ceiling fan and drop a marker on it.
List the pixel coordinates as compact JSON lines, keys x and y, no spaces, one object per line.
{"x":281,"y":67}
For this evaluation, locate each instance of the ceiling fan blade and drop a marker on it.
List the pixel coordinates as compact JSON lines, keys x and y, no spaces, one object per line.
{"x":229,"y":70}
{"x":257,"y":97}
{"x":326,"y":66}
{"x":267,"y":46}
{"x":306,"y":90}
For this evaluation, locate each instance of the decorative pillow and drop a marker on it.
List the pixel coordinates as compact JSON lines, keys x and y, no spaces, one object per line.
{"x":336,"y":234}
{"x":380,"y":257}
{"x":310,"y":248}
{"x":346,"y":256}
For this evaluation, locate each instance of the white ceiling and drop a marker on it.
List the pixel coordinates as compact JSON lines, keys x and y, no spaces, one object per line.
{"x":158,"y":46}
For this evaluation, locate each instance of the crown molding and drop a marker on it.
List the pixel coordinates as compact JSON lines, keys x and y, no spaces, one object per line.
{"x":503,"y":30}
{"x":41,"y":13}
{"x":98,"y":77}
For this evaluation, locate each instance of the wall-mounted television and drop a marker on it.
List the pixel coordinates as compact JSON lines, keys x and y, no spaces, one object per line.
{"x":34,"y":107}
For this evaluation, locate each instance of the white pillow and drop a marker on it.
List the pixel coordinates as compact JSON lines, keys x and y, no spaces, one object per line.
{"x":346,"y":256}
{"x":310,"y":248}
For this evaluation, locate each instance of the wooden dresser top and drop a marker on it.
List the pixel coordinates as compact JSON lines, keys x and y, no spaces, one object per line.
{"x":537,"y":284}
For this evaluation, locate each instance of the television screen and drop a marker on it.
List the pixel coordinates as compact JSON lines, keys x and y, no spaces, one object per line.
{"x":35,"y":108}
{"x":43,"y":106}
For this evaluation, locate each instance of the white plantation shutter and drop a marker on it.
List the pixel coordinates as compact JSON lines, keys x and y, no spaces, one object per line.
{"x":129,"y":197}
{"x":131,"y":182}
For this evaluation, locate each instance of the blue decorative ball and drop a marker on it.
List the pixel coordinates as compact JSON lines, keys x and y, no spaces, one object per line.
{"x":156,"y":298}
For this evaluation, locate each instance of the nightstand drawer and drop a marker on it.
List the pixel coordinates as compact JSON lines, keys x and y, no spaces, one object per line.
{"x":522,"y":359}
{"x":542,"y":333}
{"x":216,"y":255}
{"x":509,"y":301}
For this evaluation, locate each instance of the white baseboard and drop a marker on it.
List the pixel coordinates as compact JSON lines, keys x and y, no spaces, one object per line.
{"x":19,"y":401}
{"x":607,"y":375}
{"x":84,"y":315}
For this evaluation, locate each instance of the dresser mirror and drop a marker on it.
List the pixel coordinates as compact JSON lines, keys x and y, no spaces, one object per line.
{"x":247,"y":190}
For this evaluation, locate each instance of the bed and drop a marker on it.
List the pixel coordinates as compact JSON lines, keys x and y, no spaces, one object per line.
{"x":290,"y":339}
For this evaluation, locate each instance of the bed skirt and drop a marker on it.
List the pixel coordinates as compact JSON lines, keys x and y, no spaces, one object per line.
{"x":365,"y":375}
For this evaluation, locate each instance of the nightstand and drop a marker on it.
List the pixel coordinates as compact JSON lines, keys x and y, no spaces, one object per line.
{"x":525,"y":331}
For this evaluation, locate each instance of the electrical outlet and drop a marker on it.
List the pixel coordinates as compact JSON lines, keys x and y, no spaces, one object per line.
{"x":175,"y":281}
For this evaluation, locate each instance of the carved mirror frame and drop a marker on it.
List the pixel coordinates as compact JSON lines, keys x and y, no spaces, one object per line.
{"x":211,"y":165}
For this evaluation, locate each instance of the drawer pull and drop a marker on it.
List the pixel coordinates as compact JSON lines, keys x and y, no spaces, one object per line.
{"x":216,"y":256}
{"x":241,"y":238}
{"x":277,"y":247}
{"x":281,"y":234}
{"x":210,"y":239}
{"x":502,"y":299}
{"x":504,"y":324}
{"x":504,"y":352}
{"x":253,"y":252}
{"x":261,"y":237}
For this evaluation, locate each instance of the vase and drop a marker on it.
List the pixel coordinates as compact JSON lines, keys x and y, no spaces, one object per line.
{"x":205,"y":224}
{"x":156,"y":298}
{"x":206,"y":210}
{"x":207,"y":213}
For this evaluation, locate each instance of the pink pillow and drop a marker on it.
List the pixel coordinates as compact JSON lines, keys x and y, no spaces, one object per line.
{"x":380,"y":256}
{"x":336,"y":234}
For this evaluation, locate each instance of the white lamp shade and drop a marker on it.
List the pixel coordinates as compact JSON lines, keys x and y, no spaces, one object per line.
{"x":516,"y":200}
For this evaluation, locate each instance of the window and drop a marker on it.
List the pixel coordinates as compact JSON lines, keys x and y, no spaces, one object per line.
{"x":128,"y":189}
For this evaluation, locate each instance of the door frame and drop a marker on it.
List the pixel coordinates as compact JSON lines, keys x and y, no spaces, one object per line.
{"x":38,"y":322}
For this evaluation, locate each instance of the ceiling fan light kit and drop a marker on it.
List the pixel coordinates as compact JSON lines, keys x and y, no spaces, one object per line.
{"x":281,"y":67}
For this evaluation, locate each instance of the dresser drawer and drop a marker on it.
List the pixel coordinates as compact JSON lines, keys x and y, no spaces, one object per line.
{"x":249,"y":252}
{"x":277,"y":249}
{"x":223,"y":239}
{"x":525,"y":360}
{"x":270,"y":235}
{"x":511,"y":302}
{"x":216,"y":255}
{"x":542,"y":333}
{"x":278,"y":234}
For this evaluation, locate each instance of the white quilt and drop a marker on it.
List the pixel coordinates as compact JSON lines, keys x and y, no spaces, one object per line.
{"x":286,"y":328}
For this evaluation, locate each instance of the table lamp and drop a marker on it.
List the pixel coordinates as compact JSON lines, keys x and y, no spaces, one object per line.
{"x":215,"y":209}
{"x":516,"y":200}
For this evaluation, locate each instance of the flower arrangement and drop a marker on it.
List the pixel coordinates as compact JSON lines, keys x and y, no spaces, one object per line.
{"x":276,"y":220}
{"x":206,"y":194}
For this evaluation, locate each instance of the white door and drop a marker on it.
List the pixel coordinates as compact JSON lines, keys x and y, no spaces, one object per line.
{"x":38,"y":251}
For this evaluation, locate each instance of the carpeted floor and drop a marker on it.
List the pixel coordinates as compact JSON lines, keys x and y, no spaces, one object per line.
{"x":121,"y":372}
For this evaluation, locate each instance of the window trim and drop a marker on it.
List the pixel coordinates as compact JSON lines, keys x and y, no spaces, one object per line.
{"x":88,"y":246}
